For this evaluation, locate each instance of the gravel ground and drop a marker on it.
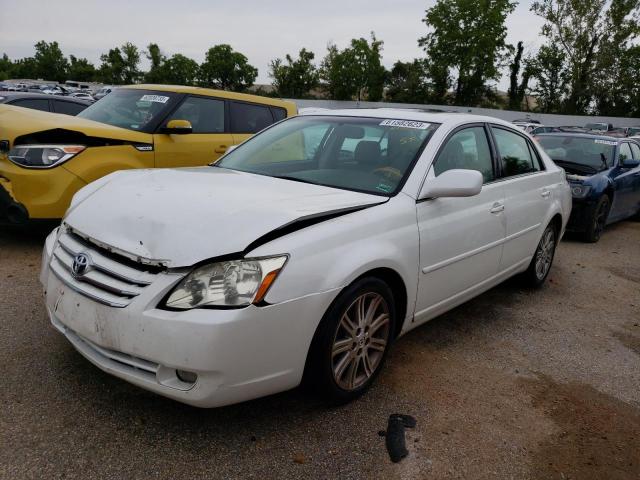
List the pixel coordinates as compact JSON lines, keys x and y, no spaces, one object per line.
{"x":516,"y":384}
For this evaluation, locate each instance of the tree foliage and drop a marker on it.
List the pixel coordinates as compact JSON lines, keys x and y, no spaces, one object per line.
{"x":466,"y":46}
{"x":50,"y":63}
{"x":407,"y":82}
{"x":355,"y":72}
{"x":588,"y":32}
{"x":227,"y":69}
{"x":519,"y":84}
{"x":80,"y":69}
{"x":296,"y":78}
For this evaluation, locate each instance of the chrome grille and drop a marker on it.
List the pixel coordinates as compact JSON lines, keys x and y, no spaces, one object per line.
{"x":110,"y":279}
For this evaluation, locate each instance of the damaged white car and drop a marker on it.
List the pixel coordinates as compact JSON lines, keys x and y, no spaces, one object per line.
{"x":302,"y":254}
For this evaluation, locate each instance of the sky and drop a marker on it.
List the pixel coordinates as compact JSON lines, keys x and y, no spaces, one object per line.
{"x":261,"y":30}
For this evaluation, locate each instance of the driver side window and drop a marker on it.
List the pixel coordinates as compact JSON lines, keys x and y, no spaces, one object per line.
{"x":467,"y":149}
{"x":206,"y":115}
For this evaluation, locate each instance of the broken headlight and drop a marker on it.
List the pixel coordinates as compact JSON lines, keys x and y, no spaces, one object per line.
{"x":234,"y":283}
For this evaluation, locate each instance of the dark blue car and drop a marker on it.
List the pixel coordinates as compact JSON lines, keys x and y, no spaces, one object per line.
{"x":604,"y":174}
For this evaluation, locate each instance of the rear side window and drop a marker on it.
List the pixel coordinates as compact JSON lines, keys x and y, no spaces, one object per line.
{"x":248,"y":118}
{"x":206,"y":115}
{"x":278,"y":113}
{"x":515,"y":154}
{"x":68,"y":108}
{"x":636,"y":151}
{"x":34,"y":103}
{"x":467,"y":149}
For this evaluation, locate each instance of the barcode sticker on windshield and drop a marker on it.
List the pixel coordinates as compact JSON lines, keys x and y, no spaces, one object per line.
{"x":606,"y":142}
{"x":405,"y":124}
{"x":154,"y":98}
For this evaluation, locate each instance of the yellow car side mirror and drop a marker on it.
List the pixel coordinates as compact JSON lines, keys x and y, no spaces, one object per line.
{"x":178,"y":127}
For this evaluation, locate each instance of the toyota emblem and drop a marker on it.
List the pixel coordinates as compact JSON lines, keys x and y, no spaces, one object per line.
{"x":81,"y":265}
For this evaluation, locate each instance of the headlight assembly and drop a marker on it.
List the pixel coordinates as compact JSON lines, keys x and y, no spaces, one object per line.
{"x":43,"y":156}
{"x":580,"y":191}
{"x":234,"y":283}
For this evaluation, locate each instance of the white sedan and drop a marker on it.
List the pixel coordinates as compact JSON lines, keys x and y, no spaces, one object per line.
{"x":302,"y":254}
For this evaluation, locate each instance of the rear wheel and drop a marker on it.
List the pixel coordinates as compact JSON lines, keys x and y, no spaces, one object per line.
{"x":542,"y":260}
{"x":352,"y":341}
{"x":598,"y":220}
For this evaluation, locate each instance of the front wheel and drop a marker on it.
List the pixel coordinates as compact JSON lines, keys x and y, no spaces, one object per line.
{"x":542,"y":260}
{"x":598,"y":220}
{"x":352,"y":341}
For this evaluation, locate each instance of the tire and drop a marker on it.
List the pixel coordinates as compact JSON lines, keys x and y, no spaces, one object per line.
{"x":542,"y":260}
{"x":598,"y":221}
{"x":347,"y":354}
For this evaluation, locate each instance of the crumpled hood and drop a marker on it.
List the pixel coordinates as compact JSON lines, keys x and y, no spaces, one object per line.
{"x":183,"y":216}
{"x":19,"y":121}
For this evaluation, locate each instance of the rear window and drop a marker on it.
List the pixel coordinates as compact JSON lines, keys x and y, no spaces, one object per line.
{"x":34,"y":103}
{"x":249,"y":118}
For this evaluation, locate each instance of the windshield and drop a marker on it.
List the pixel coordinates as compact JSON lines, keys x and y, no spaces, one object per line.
{"x":593,"y":153}
{"x":371,"y":155}
{"x":131,"y":108}
{"x":596,"y":126}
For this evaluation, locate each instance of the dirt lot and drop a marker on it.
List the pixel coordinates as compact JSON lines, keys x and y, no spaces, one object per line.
{"x":515,"y":384}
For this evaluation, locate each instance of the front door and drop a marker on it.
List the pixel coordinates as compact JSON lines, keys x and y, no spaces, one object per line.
{"x":208,"y":141}
{"x":625,"y":201}
{"x":460,"y":238}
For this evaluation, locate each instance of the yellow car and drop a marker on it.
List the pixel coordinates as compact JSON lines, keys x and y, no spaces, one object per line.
{"x":46,"y":158}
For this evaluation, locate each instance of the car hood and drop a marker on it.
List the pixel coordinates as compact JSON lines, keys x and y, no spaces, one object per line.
{"x":18,"y":121}
{"x":179,"y":217}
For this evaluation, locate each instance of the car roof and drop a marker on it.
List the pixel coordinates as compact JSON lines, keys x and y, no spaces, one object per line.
{"x":444,"y":118}
{"x":584,"y":135}
{"x":213,"y":93}
{"x":20,"y":95}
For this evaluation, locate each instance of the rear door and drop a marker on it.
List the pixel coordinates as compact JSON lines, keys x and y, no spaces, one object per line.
{"x":527,"y":193}
{"x":460,"y":238}
{"x":209,"y":140}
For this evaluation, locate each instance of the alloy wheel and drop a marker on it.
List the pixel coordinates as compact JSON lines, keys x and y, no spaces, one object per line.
{"x":545,"y":252}
{"x":360,"y":341}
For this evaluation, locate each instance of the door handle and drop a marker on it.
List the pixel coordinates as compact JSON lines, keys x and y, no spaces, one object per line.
{"x":497,"y":208}
{"x":545,"y":193}
{"x":221,"y":149}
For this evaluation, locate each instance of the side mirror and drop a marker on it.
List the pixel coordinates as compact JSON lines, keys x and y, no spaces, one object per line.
{"x":178,"y":127}
{"x":453,"y":183}
{"x":629,"y":163}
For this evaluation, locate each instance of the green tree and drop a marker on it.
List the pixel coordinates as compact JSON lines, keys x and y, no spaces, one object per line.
{"x":6,"y":67}
{"x":157,"y":59}
{"x":112,"y":67}
{"x":131,"y":56}
{"x":550,"y":74}
{"x":50,"y":62}
{"x":25,"y":68}
{"x":296,"y":78}
{"x":466,"y":38}
{"x":582,"y":29}
{"x":355,"y":72}
{"x":518,"y":84}
{"x":408,"y":82}
{"x":179,"y":70}
{"x":81,"y":69}
{"x":226,"y":69}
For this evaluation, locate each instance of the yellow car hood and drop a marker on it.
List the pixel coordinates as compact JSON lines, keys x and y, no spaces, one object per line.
{"x":18,"y":121}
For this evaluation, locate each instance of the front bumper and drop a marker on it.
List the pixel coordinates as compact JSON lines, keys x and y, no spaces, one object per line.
{"x":237,"y":354}
{"x":27,"y":194}
{"x":581,"y":216}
